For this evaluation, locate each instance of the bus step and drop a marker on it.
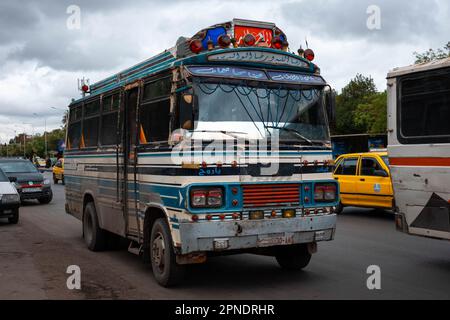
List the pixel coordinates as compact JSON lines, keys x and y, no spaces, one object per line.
{"x":134,"y":248}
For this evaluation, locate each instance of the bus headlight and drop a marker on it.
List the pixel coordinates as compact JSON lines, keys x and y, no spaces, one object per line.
{"x":324,"y":192}
{"x":46,"y":182}
{"x":10,"y":198}
{"x":206,"y":197}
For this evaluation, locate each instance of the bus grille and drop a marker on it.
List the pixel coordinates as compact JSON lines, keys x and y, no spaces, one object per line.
{"x":271,"y":195}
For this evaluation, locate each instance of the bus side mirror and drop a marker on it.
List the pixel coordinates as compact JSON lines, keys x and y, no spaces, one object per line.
{"x":13,"y":179}
{"x":330,"y":105}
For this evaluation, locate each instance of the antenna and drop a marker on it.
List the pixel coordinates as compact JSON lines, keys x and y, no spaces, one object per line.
{"x":306,"y":41}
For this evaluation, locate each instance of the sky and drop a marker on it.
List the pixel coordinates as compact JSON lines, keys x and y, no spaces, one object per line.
{"x":43,"y":50}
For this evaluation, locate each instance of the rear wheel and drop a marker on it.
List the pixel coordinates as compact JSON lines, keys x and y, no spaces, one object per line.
{"x":162,"y":256}
{"x":15,"y":218}
{"x":55,"y":179}
{"x":62,"y":180}
{"x":294,"y":257}
{"x":94,"y":237}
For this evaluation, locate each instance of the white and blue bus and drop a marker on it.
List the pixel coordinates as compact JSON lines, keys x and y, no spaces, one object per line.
{"x":218,"y":145}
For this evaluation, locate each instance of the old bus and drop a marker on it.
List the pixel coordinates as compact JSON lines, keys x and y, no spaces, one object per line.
{"x":139,"y":163}
{"x":419,"y":147}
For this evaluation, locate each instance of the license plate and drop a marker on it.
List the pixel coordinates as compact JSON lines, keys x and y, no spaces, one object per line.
{"x":27,"y":190}
{"x":273,"y":240}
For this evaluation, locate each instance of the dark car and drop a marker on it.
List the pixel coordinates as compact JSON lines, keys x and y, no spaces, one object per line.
{"x":9,"y":199}
{"x":30,"y":183}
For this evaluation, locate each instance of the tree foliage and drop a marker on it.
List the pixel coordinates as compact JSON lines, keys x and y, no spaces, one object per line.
{"x":34,"y":145}
{"x":431,"y":54}
{"x":360,"y":108}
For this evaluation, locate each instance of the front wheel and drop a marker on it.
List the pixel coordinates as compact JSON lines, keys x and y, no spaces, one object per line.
{"x":15,"y":218}
{"x":295,"y":257}
{"x":162,"y":256}
{"x":47,"y":199}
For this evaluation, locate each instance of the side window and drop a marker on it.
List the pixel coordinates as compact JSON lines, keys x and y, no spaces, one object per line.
{"x":347,"y":167}
{"x":91,"y":124}
{"x":154,"y":119}
{"x":154,"y":111}
{"x":109,"y":119}
{"x":370,"y":167}
{"x":74,"y":130}
{"x":424,"y":107}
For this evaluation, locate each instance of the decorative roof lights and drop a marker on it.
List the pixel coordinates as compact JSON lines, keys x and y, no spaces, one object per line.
{"x":239,"y":33}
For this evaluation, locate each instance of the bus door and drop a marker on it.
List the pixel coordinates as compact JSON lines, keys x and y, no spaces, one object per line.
{"x":131,"y":185}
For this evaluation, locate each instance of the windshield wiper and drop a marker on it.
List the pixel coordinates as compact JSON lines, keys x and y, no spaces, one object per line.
{"x":228,"y":133}
{"x":298,"y":134}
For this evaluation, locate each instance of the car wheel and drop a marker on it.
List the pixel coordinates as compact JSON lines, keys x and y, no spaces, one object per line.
{"x":94,"y":237}
{"x":162,"y":256}
{"x":293,"y":257}
{"x":46,"y":199}
{"x":15,"y":218}
{"x":55,"y":180}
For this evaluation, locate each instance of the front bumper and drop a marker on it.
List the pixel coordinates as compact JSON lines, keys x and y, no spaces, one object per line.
{"x":247,"y":234}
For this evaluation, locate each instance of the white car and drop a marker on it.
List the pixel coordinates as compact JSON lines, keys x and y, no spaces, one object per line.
{"x":9,"y":199}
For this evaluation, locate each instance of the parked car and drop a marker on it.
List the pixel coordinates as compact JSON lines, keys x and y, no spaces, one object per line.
{"x":58,"y":171}
{"x":29,"y":182}
{"x":9,"y":199}
{"x":364,"y":180}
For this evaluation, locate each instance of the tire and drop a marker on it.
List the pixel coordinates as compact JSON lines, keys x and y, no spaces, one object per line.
{"x":55,"y":180}
{"x":47,"y":199}
{"x":165,"y":269}
{"x":15,"y":218}
{"x":339,"y":208}
{"x":62,"y":180}
{"x":294,"y":257}
{"x":94,"y":237}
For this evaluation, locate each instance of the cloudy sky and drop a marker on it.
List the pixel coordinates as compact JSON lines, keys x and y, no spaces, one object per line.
{"x":41,"y":58}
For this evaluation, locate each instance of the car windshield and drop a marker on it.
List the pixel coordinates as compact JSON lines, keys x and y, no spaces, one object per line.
{"x":18,"y":167}
{"x":3,"y":177}
{"x":258,"y":111}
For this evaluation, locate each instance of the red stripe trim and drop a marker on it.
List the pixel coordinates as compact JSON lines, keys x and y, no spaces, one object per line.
{"x":420,"y":161}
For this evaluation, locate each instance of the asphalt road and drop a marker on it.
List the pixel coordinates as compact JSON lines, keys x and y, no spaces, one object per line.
{"x":35,"y":254}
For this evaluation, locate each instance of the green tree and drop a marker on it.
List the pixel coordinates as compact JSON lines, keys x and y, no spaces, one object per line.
{"x":358,"y":91}
{"x":372,"y":115}
{"x":431,"y":54}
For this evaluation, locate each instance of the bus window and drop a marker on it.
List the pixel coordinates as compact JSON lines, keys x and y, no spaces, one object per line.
{"x":157,"y":89}
{"x":154,"y":112}
{"x":425,"y":108}
{"x":90,"y":131}
{"x":74,"y":133}
{"x":90,"y":123}
{"x":110,"y":107}
{"x":154,"y":121}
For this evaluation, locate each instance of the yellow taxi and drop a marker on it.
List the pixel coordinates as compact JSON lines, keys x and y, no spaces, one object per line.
{"x":58,"y":171}
{"x":364,"y":180}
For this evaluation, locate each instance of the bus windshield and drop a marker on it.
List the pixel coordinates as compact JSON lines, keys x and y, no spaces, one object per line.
{"x":296,"y":115}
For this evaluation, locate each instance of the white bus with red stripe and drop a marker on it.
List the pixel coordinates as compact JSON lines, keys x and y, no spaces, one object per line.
{"x":419,"y":147}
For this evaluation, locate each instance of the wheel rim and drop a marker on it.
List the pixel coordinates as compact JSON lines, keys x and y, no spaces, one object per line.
{"x":158,"y":252}
{"x":88,"y":229}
